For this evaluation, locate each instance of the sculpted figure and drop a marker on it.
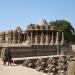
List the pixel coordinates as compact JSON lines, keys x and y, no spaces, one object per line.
{"x":40,"y":64}
{"x":51,"y":68}
{"x":62,"y":66}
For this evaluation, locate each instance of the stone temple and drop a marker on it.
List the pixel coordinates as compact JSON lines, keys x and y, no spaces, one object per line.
{"x":38,"y":39}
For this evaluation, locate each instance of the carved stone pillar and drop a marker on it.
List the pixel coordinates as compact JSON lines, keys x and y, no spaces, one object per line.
{"x":31,"y":37}
{"x":41,"y":38}
{"x":57,"y":40}
{"x":24,"y":37}
{"x":14,"y":37}
{"x":7,"y":37}
{"x":0,"y":38}
{"x":3,"y":37}
{"x":36,"y":38}
{"x":19,"y":37}
{"x":10,"y":36}
{"x":27,"y":35}
{"x":47,"y":39}
{"x":62,"y":40}
{"x":52,"y":42}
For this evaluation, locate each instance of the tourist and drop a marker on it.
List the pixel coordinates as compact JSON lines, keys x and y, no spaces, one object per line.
{"x":4,"y":60}
{"x":10,"y":61}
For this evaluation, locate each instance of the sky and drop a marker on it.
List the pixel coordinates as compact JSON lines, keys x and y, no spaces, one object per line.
{"x":15,"y":13}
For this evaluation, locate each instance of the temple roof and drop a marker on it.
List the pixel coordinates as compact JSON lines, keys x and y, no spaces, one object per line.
{"x":42,"y":22}
{"x":18,"y":28}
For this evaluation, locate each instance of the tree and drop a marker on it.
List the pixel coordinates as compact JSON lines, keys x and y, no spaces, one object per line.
{"x":66,"y":27}
{"x":73,"y":37}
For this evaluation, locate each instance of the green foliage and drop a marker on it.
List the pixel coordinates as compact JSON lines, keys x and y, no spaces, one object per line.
{"x":73,"y":37}
{"x":66,"y":27}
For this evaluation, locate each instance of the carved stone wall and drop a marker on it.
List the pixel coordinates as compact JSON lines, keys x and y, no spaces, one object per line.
{"x":33,"y":50}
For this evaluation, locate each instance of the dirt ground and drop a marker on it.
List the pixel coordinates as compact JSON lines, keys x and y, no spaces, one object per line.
{"x":17,"y":70}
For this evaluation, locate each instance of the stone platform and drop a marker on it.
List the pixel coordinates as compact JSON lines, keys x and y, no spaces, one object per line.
{"x":31,"y":50}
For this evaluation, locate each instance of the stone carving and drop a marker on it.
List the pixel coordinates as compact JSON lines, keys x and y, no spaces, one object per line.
{"x":40,"y":65}
{"x":53,"y":66}
{"x":71,"y":67}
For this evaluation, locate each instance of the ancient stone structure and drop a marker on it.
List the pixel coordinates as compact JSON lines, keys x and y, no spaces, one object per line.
{"x":38,"y":39}
{"x":56,"y":65}
{"x":71,"y":67}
